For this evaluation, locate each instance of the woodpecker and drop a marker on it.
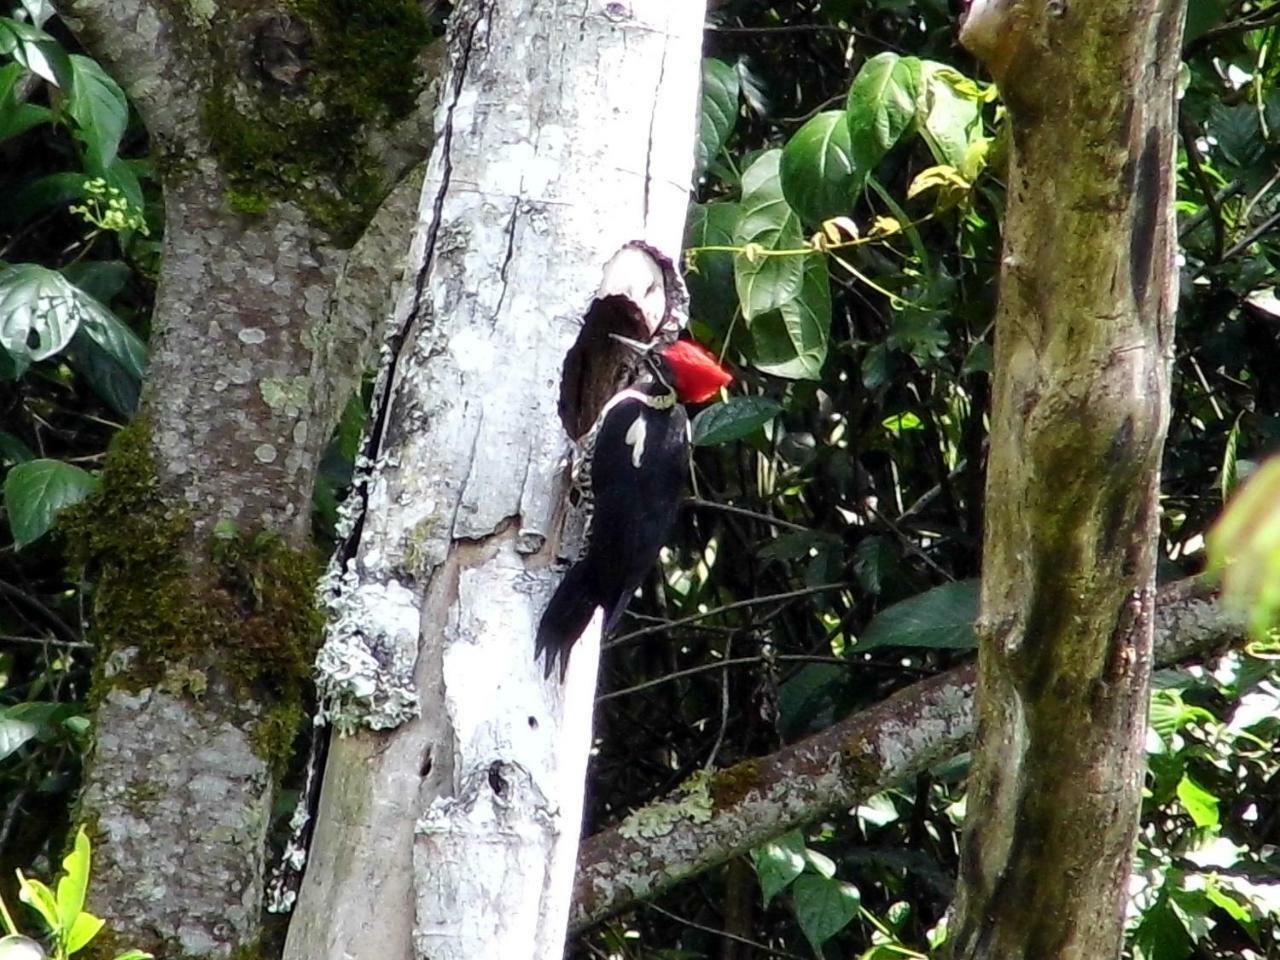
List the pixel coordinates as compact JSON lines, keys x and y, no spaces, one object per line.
{"x":629,"y":474}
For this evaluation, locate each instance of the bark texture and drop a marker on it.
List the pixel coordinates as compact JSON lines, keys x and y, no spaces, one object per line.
{"x":256,"y":348}
{"x":714,"y":819}
{"x":565,"y":132}
{"x":1080,"y":406}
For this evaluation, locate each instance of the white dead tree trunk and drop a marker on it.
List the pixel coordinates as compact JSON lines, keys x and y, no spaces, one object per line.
{"x":449,"y":818}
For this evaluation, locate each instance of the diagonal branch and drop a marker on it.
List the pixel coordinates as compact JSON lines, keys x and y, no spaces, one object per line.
{"x":742,"y":806}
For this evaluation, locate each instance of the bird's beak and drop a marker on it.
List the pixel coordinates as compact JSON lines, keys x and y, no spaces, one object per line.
{"x":639,"y":346}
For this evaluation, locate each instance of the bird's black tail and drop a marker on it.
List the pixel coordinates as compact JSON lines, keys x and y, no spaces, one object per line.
{"x":567,"y":615}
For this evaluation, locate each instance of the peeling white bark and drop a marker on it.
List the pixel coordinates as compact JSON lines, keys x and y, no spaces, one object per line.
{"x":565,"y":132}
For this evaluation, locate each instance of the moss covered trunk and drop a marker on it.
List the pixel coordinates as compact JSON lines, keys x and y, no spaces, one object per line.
{"x":1083,"y":345}
{"x":277,"y":132}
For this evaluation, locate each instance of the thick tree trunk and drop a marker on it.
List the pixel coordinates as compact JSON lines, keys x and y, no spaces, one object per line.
{"x":743,"y":806}
{"x":565,"y":132}
{"x":1080,"y":405}
{"x":204,"y":629}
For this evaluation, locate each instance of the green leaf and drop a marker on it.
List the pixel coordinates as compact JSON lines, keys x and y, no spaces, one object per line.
{"x":873,"y":558}
{"x":718,"y":114}
{"x":40,"y":899}
{"x":17,"y":116}
{"x":820,"y":863}
{"x":767,"y":223}
{"x":1160,"y":935}
{"x":951,"y":121}
{"x":941,"y":618}
{"x":35,"y":491}
{"x":39,"y":313}
{"x":14,"y":732}
{"x":133,"y":955}
{"x":101,"y":279}
{"x":1198,"y":802}
{"x":36,"y":50}
{"x":1237,"y":132}
{"x":116,"y":386}
{"x":74,"y":881}
{"x":778,"y":862}
{"x":734,"y":419}
{"x":712,"y":297}
{"x":100,"y":110}
{"x":42,"y":194}
{"x":792,"y":340}
{"x":817,"y":173}
{"x":1244,"y":544}
{"x":823,"y":906}
{"x":881,"y":106}
{"x":83,"y":929}
{"x":115,"y":339}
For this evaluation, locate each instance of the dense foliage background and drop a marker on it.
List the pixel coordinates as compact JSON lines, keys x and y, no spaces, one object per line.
{"x":844,"y":248}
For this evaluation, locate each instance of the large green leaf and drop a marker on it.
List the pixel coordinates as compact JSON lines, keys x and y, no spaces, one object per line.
{"x":35,"y":491}
{"x":116,"y":386}
{"x":952,"y":109}
{"x":100,"y":110}
{"x":734,"y":419}
{"x":769,"y":223}
{"x":17,"y":116}
{"x":818,"y":176}
{"x":35,"y":50}
{"x":824,"y":906}
{"x":712,"y":297}
{"x":881,"y":106}
{"x":941,"y":618}
{"x":40,"y":311}
{"x":792,"y":340}
{"x":778,"y":862}
{"x":719,"y":111}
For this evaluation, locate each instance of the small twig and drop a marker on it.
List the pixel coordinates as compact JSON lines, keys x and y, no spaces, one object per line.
{"x":48,"y":642}
{"x":724,"y":708}
{"x":58,"y":625}
{"x":736,"y":605}
{"x":910,"y":544}
{"x":785,"y":28}
{"x":1250,"y":237}
{"x":743,"y":512}
{"x":771,"y":951}
{"x":1206,"y":188}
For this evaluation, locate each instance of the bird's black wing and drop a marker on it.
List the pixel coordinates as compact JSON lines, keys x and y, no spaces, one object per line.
{"x":637,"y":473}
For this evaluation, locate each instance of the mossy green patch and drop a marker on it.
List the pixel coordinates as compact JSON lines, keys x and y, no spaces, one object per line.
{"x":731,"y":784}
{"x":241,"y":607}
{"x":307,"y":143}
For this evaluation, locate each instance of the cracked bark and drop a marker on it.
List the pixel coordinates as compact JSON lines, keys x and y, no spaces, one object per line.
{"x":454,"y":834}
{"x":841,"y":767}
{"x":1080,"y":406}
{"x":263,"y":326}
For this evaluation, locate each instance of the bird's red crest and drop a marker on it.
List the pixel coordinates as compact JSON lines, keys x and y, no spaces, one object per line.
{"x":696,"y":371}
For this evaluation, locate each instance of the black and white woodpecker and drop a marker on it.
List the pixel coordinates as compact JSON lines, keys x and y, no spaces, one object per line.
{"x":629,"y":475}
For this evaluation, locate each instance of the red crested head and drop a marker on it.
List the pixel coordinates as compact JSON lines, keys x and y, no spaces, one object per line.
{"x":695,"y":372}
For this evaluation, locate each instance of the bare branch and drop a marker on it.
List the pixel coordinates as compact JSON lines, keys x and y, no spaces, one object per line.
{"x":843,"y":765}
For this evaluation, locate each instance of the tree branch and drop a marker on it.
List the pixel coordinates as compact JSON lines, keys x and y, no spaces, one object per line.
{"x":753,"y":801}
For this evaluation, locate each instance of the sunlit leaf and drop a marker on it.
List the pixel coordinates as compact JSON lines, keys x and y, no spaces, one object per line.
{"x":734,"y":419}
{"x":719,"y":111}
{"x":74,"y":881}
{"x":792,"y":340}
{"x":818,"y":177}
{"x":881,"y":106}
{"x":778,"y":862}
{"x":823,"y":906}
{"x":100,"y":110}
{"x":766,"y":283}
